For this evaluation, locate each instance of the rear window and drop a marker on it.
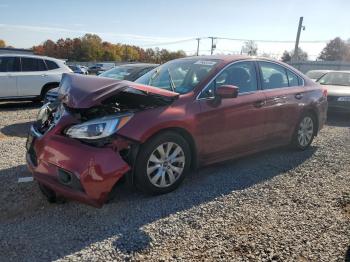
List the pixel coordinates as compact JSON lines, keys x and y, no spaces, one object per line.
{"x":315,"y":74}
{"x":51,"y":64}
{"x":32,"y":64}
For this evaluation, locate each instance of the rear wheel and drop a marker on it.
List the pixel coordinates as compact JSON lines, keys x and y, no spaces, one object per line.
{"x":305,"y":132}
{"x":162,"y":163}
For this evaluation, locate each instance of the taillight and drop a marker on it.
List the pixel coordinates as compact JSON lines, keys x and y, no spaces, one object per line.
{"x":325,"y":93}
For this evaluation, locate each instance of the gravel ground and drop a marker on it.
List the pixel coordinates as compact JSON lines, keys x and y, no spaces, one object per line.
{"x":279,"y":205}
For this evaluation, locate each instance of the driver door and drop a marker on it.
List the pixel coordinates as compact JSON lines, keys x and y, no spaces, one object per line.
{"x":233,"y":126}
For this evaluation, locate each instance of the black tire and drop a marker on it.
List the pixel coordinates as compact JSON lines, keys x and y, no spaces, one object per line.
{"x":50,"y":195}
{"x":142,"y":180}
{"x":296,"y":140}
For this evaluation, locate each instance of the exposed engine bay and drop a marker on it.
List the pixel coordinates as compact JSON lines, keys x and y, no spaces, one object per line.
{"x":127,"y":101}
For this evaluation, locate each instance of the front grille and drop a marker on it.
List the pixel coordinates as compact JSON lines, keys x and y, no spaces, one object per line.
{"x":54,"y":112}
{"x":332,"y":98}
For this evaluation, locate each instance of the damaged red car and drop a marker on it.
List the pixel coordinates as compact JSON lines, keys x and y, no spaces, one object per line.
{"x":186,"y":113}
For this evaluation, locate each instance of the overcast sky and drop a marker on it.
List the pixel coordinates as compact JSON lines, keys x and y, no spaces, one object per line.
{"x":153,"y":23}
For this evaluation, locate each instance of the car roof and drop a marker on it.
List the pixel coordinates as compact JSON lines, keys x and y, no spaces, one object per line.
{"x":231,"y":58}
{"x":139,"y":65}
{"x":340,"y":71}
{"x":32,"y":56}
{"x":321,"y":70}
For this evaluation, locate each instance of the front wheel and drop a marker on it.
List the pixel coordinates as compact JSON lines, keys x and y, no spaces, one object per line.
{"x":162,"y":163}
{"x":305,"y":132}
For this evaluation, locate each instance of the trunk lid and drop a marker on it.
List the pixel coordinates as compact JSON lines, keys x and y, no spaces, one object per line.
{"x":78,"y":91}
{"x":334,"y":90}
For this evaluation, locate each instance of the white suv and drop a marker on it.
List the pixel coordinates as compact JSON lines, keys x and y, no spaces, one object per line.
{"x":29,"y":76}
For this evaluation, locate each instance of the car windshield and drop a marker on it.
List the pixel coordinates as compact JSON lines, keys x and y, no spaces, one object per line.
{"x":180,"y":76}
{"x":119,"y":72}
{"x":315,"y":74}
{"x":335,"y":78}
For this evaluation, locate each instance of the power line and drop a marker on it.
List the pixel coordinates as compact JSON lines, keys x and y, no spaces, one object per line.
{"x":272,"y":41}
{"x":170,"y":43}
{"x":232,"y":39}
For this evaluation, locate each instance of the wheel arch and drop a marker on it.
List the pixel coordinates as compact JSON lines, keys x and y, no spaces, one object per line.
{"x":313,"y":112}
{"x":189,"y":139}
{"x":48,"y":86}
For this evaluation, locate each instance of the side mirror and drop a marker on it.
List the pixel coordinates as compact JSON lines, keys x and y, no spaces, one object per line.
{"x":227,"y":91}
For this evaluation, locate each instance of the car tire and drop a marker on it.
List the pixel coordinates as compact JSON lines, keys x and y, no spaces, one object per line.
{"x":50,"y":195}
{"x":160,"y":171}
{"x":304,"y":132}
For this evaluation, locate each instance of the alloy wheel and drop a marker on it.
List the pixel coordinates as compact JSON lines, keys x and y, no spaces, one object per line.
{"x":305,"y":131}
{"x":165,"y":164}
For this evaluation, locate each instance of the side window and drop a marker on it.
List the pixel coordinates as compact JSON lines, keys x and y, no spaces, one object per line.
{"x":273,"y":75}
{"x":32,"y":64}
{"x":51,"y":65}
{"x":242,"y":75}
{"x":41,"y":65}
{"x":9,"y":64}
{"x":293,"y":79}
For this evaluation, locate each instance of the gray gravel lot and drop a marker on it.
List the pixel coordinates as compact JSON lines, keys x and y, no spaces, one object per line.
{"x":280,"y":205}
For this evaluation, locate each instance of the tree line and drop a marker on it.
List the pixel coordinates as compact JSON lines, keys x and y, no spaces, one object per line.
{"x":335,"y":50}
{"x":90,"y":47}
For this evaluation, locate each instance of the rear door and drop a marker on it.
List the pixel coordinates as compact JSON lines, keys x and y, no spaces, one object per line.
{"x":285,"y":97}
{"x":33,"y":77}
{"x":9,"y":68}
{"x":236,"y":125}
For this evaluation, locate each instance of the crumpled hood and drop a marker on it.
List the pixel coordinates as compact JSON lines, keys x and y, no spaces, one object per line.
{"x":337,"y":90}
{"x":78,"y":91}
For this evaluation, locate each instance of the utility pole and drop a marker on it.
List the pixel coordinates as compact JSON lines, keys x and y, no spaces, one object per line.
{"x":212,"y":44}
{"x":296,"y":49}
{"x":198,"y":39}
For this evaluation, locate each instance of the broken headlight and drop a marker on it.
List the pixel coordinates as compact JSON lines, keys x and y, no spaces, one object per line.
{"x":43,"y":113}
{"x":98,"y":128}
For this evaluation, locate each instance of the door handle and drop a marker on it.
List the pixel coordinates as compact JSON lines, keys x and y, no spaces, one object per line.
{"x":299,"y":96}
{"x":259,"y":104}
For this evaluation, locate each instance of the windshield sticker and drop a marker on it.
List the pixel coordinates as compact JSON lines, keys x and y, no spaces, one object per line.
{"x":202,"y":62}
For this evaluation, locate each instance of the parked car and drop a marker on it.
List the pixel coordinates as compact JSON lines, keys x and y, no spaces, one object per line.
{"x":79,"y":69}
{"x":29,"y":76}
{"x":100,"y":67}
{"x":337,"y":84}
{"x":123,"y":72}
{"x":94,"y":69}
{"x":186,"y":113}
{"x":316,"y":74}
{"x":129,"y":72}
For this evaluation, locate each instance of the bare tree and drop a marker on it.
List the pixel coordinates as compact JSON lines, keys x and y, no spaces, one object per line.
{"x":250,"y":48}
{"x":335,"y":50}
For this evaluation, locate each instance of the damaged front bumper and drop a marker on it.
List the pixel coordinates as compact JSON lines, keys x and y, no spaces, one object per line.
{"x":73,"y":169}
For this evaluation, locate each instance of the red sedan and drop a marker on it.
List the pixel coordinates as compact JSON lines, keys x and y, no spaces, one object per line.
{"x":186,"y":113}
